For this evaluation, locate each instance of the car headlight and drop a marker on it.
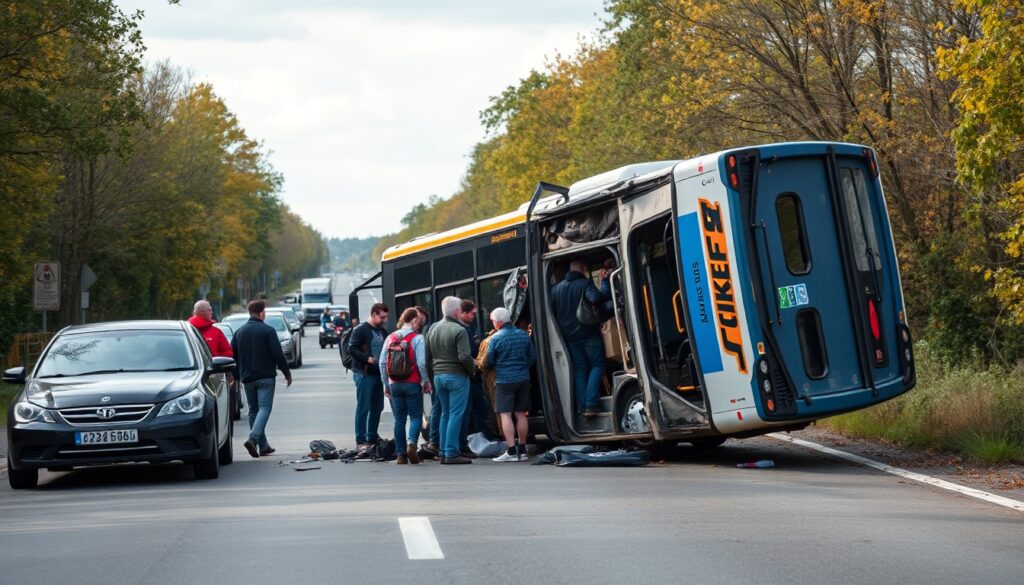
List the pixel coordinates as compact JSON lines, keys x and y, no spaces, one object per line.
{"x":26,"y":412}
{"x":286,"y":342}
{"x":188,"y":403}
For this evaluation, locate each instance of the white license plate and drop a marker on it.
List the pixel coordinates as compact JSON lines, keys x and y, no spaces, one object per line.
{"x":107,"y":437}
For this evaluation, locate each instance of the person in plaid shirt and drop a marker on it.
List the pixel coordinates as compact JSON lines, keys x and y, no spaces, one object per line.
{"x":510,"y":352}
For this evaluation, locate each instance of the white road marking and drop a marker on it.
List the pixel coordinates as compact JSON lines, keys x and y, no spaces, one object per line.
{"x":420,"y":542}
{"x":940,"y":483}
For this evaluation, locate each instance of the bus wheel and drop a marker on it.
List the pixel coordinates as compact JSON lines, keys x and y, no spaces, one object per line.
{"x":632,"y":413}
{"x":708,"y":442}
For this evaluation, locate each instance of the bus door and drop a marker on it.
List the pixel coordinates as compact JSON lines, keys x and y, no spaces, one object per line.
{"x":660,"y":341}
{"x":815,"y":230}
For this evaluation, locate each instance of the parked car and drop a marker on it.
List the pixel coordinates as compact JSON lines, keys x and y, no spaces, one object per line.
{"x":120,"y":392}
{"x":291,"y":342}
{"x":237,"y":398}
{"x":289,"y":315}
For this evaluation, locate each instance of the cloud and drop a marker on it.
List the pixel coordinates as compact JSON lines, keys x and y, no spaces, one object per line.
{"x":368,"y":107}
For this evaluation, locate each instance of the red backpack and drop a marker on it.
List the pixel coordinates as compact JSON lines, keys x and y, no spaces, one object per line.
{"x":400,"y":362}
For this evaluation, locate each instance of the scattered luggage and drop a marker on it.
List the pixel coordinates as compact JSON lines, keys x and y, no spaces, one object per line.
{"x":484,"y":447}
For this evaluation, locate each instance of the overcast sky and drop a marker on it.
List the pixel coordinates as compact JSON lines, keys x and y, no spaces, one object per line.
{"x":368,"y":107}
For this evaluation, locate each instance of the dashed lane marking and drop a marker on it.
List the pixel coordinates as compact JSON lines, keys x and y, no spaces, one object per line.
{"x":934,"y":481}
{"x":420,"y":542}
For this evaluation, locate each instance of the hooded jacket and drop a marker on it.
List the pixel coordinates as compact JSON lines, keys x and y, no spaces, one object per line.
{"x":214,"y":337}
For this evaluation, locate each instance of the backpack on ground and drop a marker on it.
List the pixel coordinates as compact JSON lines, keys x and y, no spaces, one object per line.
{"x":346,"y":355}
{"x":400,"y":362}
{"x":383,"y":450}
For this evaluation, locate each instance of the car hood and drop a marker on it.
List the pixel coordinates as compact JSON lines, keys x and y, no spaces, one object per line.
{"x":122,"y":388}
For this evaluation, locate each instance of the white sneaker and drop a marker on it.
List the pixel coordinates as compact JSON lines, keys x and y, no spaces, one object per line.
{"x":505,"y":457}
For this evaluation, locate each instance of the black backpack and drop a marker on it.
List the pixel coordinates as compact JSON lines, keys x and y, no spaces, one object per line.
{"x":346,"y":355}
{"x":400,"y":362}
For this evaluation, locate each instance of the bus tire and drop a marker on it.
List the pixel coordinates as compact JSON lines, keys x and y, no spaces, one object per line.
{"x":629,"y":400}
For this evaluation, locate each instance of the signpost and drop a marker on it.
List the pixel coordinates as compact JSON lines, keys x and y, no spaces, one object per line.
{"x":46,"y":288}
{"x":88,"y":279}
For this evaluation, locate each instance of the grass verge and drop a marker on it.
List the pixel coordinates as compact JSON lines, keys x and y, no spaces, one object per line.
{"x":975,"y":412}
{"x":7,"y":394}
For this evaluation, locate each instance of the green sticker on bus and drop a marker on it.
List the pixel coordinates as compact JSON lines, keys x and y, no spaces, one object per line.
{"x":793,"y":296}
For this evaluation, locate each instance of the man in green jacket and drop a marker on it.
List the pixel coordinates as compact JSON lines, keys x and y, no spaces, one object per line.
{"x":451,"y":365}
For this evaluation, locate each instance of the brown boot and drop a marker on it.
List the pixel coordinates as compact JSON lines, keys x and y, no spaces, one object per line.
{"x":401,"y":459}
{"x":410,"y":452}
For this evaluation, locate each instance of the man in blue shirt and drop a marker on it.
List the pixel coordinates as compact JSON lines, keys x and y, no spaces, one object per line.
{"x":510,"y":352}
{"x":584,"y":342}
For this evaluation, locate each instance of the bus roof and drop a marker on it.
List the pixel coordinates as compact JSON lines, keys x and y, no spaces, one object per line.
{"x":454,"y":235}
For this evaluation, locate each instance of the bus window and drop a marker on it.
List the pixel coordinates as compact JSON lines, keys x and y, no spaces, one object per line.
{"x":501,"y":256}
{"x":454,"y":268}
{"x":794,"y":237}
{"x":862,"y":222}
{"x":420,"y":299}
{"x":411,"y":278}
{"x":492,"y":290}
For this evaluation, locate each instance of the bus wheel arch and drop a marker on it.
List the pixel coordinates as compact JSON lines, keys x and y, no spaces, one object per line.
{"x":631,"y":409}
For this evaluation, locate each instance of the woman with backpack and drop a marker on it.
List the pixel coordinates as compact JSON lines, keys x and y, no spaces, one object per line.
{"x":405,"y":378}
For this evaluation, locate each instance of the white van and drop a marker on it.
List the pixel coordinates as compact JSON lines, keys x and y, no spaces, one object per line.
{"x":316,"y":294}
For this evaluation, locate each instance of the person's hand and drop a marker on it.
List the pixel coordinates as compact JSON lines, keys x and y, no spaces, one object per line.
{"x":287,"y":381}
{"x":427,"y":388}
{"x":371,"y":360}
{"x":603,"y":273}
{"x":387,"y":392}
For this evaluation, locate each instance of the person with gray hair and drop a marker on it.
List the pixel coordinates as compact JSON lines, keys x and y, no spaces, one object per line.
{"x":202,"y":319}
{"x":451,"y":365}
{"x":511,"y":354}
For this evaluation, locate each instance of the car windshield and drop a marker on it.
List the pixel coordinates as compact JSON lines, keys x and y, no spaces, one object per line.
{"x":276,"y":321}
{"x":228,"y":331}
{"x":316,"y":298}
{"x":102,"y":352}
{"x":235,"y":321}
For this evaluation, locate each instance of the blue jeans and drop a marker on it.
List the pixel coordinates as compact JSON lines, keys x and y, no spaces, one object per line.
{"x":587,"y":369}
{"x":407,"y":401}
{"x":369,"y":405}
{"x":435,"y":417}
{"x":260,"y":396}
{"x":452,"y":392}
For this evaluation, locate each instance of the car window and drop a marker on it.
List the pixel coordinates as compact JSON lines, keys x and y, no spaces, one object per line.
{"x":77,"y":354}
{"x":276,"y":321}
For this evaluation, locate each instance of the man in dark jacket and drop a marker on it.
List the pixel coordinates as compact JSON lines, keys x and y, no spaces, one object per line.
{"x":365,"y":344}
{"x":257,"y":351}
{"x":584,"y":342}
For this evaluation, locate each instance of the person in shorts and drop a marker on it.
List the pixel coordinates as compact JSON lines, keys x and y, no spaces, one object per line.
{"x":511,"y":354}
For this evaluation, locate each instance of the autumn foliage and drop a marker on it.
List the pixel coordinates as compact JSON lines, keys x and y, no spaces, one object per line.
{"x":934,"y":86}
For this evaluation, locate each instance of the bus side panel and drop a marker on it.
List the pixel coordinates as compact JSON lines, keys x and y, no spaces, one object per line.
{"x":716,"y":295}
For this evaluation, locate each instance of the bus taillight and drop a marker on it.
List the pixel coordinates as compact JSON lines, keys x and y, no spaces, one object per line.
{"x":734,"y":178}
{"x":876,"y":328}
{"x":870,"y":155}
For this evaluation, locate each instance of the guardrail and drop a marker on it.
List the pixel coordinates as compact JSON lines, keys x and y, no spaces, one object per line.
{"x":26,"y":349}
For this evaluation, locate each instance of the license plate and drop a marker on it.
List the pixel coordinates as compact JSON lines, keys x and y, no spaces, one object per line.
{"x":107,"y":437}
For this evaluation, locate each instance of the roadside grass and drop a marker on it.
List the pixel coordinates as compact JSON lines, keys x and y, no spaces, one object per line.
{"x":7,"y":394}
{"x":975,"y":412}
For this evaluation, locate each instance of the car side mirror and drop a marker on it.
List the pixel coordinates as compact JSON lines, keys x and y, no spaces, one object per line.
{"x":15,"y":375}
{"x":222,"y":365}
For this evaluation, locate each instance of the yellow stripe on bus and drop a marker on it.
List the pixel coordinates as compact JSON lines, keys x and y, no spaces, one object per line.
{"x":452,"y":236}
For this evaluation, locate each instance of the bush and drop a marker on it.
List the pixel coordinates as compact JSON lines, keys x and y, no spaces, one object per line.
{"x":978,"y":412}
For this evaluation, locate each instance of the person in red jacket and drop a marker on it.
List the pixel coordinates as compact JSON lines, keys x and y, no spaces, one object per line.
{"x":202,"y":319}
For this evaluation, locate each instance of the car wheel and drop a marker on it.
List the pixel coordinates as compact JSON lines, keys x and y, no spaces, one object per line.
{"x":226,"y":454}
{"x":21,"y":479}
{"x":323,"y":345}
{"x":208,"y":468}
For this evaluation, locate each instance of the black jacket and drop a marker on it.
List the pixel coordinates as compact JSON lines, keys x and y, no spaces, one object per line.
{"x":565,"y":297}
{"x":360,"y":345}
{"x":257,"y":352}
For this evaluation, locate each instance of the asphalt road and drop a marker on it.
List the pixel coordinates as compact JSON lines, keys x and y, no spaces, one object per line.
{"x":695,"y":519}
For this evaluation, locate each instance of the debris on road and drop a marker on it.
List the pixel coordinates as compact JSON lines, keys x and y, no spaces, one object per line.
{"x":762,"y":464}
{"x":588,"y":456}
{"x":307,"y":468}
{"x":321,"y":448}
{"x":484,"y":447}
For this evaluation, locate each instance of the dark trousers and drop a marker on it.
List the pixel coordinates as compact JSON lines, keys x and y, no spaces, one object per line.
{"x":369,"y":405}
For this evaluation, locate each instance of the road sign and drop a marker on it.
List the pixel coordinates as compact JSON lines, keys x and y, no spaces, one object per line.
{"x":46,"y":286}
{"x":85,"y":299}
{"x":88,"y":277}
{"x":219,"y":268}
